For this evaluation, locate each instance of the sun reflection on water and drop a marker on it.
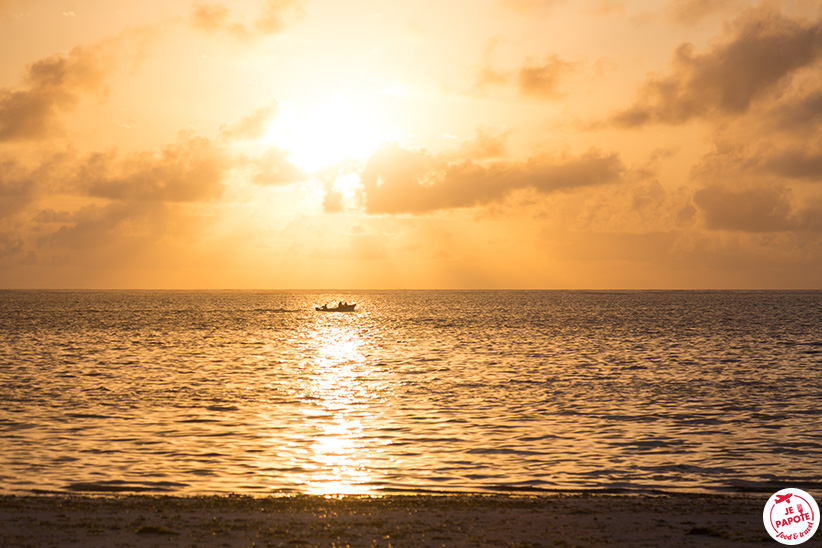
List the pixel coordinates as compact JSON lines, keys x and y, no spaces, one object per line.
{"x":339,"y":399}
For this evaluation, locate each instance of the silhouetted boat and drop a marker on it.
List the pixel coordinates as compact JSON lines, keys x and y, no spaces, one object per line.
{"x":342,"y":307}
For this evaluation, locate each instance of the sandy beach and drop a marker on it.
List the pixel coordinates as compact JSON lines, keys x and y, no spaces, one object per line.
{"x":427,"y":520}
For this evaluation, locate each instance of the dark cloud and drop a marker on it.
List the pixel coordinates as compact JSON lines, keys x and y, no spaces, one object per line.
{"x":53,"y":85}
{"x":758,"y":209}
{"x":274,"y":168}
{"x":761,"y":50}
{"x":271,"y":20}
{"x":796,"y":164}
{"x":190,"y":170}
{"x":543,"y":80}
{"x":798,"y":115}
{"x":396,"y":180}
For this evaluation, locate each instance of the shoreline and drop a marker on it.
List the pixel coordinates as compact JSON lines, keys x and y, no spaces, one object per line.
{"x":670,"y":520}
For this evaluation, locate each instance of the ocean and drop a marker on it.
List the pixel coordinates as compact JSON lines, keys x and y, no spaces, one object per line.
{"x":415,"y":392}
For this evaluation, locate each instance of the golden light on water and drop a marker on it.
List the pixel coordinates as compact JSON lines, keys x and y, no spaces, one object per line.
{"x":338,"y":401}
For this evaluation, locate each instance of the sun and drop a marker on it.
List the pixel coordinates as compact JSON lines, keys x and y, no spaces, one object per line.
{"x":323,"y":133}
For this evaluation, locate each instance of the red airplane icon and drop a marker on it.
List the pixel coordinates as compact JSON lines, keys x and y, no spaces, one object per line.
{"x":783,"y":498}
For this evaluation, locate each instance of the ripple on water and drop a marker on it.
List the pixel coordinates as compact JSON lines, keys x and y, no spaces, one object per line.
{"x":418,"y":391}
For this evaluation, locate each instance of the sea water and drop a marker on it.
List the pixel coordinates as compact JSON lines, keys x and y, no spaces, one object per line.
{"x":415,"y":391}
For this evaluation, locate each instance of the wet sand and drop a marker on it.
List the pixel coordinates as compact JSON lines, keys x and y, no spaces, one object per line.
{"x":449,"y":520}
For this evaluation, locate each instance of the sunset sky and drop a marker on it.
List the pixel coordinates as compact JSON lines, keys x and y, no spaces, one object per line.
{"x":280,"y":144}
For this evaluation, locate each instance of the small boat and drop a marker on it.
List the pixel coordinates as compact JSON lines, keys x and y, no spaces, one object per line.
{"x":341,"y":307}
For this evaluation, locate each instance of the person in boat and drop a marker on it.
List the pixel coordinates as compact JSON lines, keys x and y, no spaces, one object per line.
{"x":325,"y":307}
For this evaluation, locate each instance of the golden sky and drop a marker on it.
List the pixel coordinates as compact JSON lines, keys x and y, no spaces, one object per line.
{"x":428,"y":144}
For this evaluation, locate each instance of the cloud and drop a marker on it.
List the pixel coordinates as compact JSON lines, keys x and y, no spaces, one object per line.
{"x":21,"y":185}
{"x":485,"y":145}
{"x":53,"y":85}
{"x":798,"y":115}
{"x":487,"y":75}
{"x":118,"y":224}
{"x":757,"y":209}
{"x":16,"y":188}
{"x":274,"y":168}
{"x":252,"y":126}
{"x":796,"y":164}
{"x":396,"y":180}
{"x":761,"y":50}
{"x":543,"y":80}
{"x":216,"y":18}
{"x":691,"y":12}
{"x":191,"y":170}
{"x":540,"y":80}
{"x":272,"y":19}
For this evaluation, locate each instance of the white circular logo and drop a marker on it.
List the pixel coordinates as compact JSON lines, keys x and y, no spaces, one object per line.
{"x":791,"y":516}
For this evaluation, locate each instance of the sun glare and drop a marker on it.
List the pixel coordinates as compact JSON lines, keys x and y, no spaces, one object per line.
{"x":326,"y":133}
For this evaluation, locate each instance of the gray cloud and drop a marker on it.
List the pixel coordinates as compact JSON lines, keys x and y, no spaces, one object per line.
{"x":396,"y":180}
{"x":796,"y":164}
{"x":761,"y":49}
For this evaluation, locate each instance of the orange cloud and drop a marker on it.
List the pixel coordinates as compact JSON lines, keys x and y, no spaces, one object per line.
{"x":272,"y":19}
{"x":543,"y":80}
{"x":274,"y":168}
{"x":800,"y":115}
{"x":16,"y":188}
{"x":540,"y":80}
{"x":396,"y":180}
{"x":53,"y":85}
{"x":191,"y":170}
{"x":796,"y":164}
{"x":20,"y":185}
{"x":691,"y":12}
{"x":758,"y":209}
{"x":762,"y":49}
{"x":252,"y":126}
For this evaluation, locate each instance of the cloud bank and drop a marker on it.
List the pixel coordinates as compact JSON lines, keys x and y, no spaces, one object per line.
{"x":760,"y":51}
{"x":397,"y":180}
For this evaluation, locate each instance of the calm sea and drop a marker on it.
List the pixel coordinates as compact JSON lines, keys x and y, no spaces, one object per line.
{"x":256,"y":393}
